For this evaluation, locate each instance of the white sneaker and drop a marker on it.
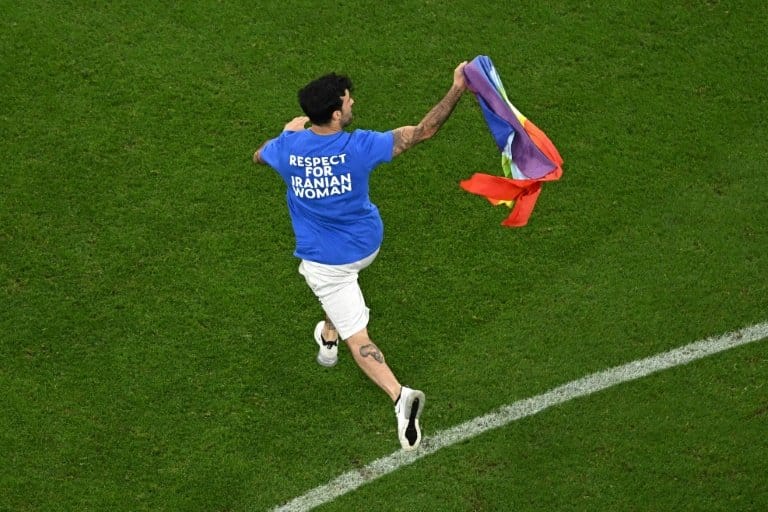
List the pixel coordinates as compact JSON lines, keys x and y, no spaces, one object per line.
{"x":329,"y":352}
{"x":408,"y":409}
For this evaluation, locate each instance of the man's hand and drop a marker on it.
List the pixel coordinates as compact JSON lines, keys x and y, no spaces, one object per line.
{"x":296,"y":124}
{"x":458,"y":76}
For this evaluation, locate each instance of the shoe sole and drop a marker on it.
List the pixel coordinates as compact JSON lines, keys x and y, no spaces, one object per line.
{"x":325,"y":362}
{"x":413,"y":412}
{"x":411,"y":434}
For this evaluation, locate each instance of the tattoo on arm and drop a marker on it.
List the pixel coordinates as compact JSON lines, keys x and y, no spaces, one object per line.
{"x":373,"y":351}
{"x":408,"y":136}
{"x":441,"y":112}
{"x":405,"y":138}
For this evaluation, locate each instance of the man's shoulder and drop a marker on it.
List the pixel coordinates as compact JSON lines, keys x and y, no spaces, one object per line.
{"x":297,"y":135}
{"x":366,"y":137}
{"x":364,"y":132}
{"x":287,"y":140}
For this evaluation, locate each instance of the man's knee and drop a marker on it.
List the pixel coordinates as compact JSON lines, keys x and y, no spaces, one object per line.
{"x":359,"y":339}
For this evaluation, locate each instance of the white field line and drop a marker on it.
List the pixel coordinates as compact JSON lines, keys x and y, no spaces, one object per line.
{"x":521,"y":409}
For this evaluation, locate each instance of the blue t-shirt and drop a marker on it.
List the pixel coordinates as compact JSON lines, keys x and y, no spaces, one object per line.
{"x":327,"y":176}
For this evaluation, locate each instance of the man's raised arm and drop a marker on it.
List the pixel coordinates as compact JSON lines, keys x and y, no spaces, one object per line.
{"x":408,"y":136}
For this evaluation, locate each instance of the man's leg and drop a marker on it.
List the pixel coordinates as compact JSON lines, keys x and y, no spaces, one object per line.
{"x":327,"y":340}
{"x":329,"y":330}
{"x":370,"y":359}
{"x":408,"y":402}
{"x":339,"y":293}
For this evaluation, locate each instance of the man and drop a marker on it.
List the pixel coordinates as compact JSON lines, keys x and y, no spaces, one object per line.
{"x":338,"y":230}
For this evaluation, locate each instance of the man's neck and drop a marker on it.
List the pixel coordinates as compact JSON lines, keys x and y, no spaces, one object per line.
{"x":325,"y":129}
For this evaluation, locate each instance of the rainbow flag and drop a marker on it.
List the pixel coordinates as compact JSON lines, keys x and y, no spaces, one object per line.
{"x":528,"y":157}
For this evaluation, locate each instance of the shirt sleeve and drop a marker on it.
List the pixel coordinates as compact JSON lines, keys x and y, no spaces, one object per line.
{"x":376,"y":146}
{"x":271,"y":151}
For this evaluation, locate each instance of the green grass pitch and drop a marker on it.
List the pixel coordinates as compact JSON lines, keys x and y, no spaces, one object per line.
{"x":155,"y":336}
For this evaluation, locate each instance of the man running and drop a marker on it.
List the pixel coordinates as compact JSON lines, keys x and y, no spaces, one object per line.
{"x":338,"y":230}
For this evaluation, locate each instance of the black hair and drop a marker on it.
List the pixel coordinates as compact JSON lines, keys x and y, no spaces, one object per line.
{"x":320,"y":98}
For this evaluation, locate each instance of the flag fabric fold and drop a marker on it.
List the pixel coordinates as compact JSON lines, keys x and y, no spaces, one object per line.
{"x":528,"y":157}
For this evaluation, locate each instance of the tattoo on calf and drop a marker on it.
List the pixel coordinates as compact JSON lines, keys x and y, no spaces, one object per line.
{"x":373,"y":351}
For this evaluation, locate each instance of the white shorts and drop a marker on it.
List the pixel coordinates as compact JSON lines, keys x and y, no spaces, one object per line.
{"x":339,"y":293}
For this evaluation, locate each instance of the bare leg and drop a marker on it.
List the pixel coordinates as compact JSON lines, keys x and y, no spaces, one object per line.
{"x":370,"y":359}
{"x":329,"y":330}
